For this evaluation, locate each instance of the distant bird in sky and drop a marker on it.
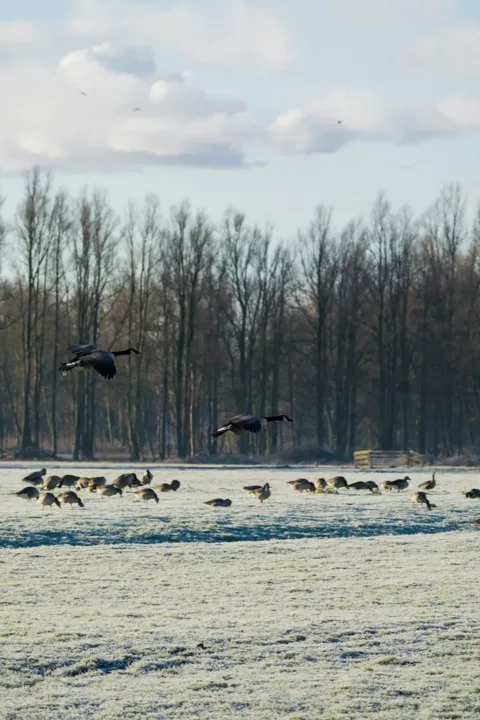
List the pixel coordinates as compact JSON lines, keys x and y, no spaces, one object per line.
{"x":83,"y":93}
{"x":87,"y":356}
{"x":339,"y":122}
{"x":136,"y":109}
{"x":245,"y":423}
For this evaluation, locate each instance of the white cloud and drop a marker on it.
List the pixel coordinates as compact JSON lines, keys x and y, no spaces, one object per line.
{"x":18,"y":38}
{"x":362,"y":116}
{"x":453,"y":51}
{"x":48,"y":120}
{"x":231,"y":34}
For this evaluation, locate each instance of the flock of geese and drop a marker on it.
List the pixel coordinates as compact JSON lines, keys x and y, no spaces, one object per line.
{"x":40,"y":488}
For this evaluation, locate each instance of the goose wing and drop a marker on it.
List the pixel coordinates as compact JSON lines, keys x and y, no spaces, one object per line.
{"x":247,"y":422}
{"x":102,"y":362}
{"x":79,"y":350}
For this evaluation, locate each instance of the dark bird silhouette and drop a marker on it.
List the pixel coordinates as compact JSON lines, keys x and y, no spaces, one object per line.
{"x":219,"y":502}
{"x":83,"y":93}
{"x":245,"y":423}
{"x":136,"y":109}
{"x":87,"y":356}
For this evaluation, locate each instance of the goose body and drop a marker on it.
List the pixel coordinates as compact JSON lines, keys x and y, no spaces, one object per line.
{"x":28,"y":493}
{"x":164,"y":487}
{"x":69,"y":481}
{"x":321,"y":484}
{"x":420,"y":498}
{"x":359,"y":485}
{"x":70,"y":498}
{"x":263,"y":493}
{"x":400,"y":484}
{"x":88,"y":356}
{"x":473,"y":494}
{"x":337,"y":482}
{"x":125,"y":480}
{"x":147,"y":494}
{"x":428,"y":484}
{"x":35,"y":477}
{"x":174,"y":485}
{"x":51,"y":482}
{"x":251,"y":488}
{"x":48,"y":499}
{"x":219,"y":502}
{"x":146,"y":477}
{"x":245,"y":423}
{"x":372,"y":486}
{"x":109,"y":491}
{"x":304,"y":486}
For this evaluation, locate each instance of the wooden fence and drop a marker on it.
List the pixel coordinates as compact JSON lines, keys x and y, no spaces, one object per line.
{"x":370,"y":459}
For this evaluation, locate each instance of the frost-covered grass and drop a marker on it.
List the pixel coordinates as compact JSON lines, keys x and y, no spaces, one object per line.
{"x":333,"y":606}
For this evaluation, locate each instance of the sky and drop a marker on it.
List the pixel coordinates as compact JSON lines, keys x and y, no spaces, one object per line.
{"x":238,"y":102}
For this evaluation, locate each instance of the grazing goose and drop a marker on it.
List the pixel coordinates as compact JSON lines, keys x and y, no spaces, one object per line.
{"x":359,"y":485}
{"x":245,"y":423}
{"x":125,"y":480}
{"x":472,"y":494}
{"x":70,"y":498}
{"x":372,"y":486}
{"x":51,"y":482}
{"x":337,"y":482}
{"x":87,"y":356}
{"x":109,"y":491}
{"x":420,"y":498}
{"x":174,"y":485}
{"x":82,"y":483}
{"x":147,"y":494}
{"x":298,"y":480}
{"x":69,"y":481}
{"x":95,"y":482}
{"x":401,"y":484}
{"x":35,"y":477}
{"x":28,"y":493}
{"x":304,"y":486}
{"x":136,"y":483}
{"x":218,"y":502}
{"x":164,"y":487}
{"x":146,"y":477}
{"x":251,"y":488}
{"x":48,"y":499}
{"x":428,"y":484}
{"x":321,"y":484}
{"x":262,"y":494}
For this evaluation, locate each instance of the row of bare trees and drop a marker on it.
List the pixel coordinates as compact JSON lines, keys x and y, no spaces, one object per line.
{"x":368,"y":336}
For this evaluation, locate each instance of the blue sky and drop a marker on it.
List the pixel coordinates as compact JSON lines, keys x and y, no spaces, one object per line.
{"x":224,"y":85}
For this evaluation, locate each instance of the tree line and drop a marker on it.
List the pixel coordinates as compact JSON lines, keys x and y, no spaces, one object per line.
{"x":367,"y":335}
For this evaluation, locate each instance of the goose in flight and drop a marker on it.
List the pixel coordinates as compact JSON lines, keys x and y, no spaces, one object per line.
{"x":245,"y":423}
{"x":87,"y":356}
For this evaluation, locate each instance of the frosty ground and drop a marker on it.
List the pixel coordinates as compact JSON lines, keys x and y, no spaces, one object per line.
{"x":326,"y":606}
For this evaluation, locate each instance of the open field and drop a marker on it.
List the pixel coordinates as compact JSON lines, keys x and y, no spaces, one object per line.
{"x":331,"y":606}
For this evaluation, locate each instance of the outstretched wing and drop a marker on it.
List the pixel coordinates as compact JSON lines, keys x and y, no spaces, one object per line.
{"x":102,"y":362}
{"x":247,"y":422}
{"x":79,"y":350}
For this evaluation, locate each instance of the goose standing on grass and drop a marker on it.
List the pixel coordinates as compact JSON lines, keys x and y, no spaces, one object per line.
{"x":337,"y":482}
{"x":109,"y":491}
{"x":400,"y":484}
{"x":69,"y":481}
{"x":245,"y":423}
{"x":321,"y":484}
{"x":428,"y":484}
{"x":51,"y":482}
{"x":28,"y":493}
{"x":472,"y":494}
{"x":70,"y":498}
{"x":359,"y":485}
{"x":147,"y":494}
{"x":48,"y":499}
{"x":304,"y":486}
{"x":125,"y":480}
{"x":164,"y":487}
{"x":174,"y":485}
{"x":372,"y":486}
{"x":420,"y":498}
{"x":146,"y":477}
{"x":263,"y":493}
{"x":87,"y":356}
{"x":35,"y":477}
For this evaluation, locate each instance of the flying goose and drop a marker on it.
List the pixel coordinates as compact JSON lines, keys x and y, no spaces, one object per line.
{"x":70,"y":498}
{"x":263,"y":493}
{"x":146,"y":477}
{"x":48,"y":499}
{"x":420,"y":498}
{"x":35,"y":477}
{"x":245,"y":423}
{"x":218,"y":502}
{"x":87,"y":356}
{"x":147,"y":494}
{"x":428,"y":484}
{"x":28,"y":493}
